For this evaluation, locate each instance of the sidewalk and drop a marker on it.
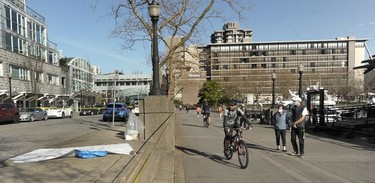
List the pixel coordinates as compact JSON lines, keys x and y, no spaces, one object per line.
{"x":72,"y":169}
{"x":326,"y":159}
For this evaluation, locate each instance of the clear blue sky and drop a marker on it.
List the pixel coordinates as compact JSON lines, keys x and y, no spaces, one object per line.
{"x":82,"y":31}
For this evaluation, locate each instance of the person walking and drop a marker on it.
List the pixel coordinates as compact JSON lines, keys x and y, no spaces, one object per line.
{"x":280,"y":122}
{"x":299,"y":112}
{"x":198,"y":109}
{"x":220,"y":110}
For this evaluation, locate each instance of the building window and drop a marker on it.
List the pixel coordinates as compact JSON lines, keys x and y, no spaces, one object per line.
{"x":20,"y":73}
{"x":52,"y":79}
{"x":253,"y":66}
{"x":264,"y":66}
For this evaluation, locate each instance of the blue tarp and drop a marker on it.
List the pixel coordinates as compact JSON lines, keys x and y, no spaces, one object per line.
{"x":90,"y":154}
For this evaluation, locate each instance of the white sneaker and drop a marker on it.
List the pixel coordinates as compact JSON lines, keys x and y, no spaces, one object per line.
{"x":294,"y":154}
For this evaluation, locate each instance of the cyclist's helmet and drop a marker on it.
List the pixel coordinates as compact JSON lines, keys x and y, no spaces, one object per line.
{"x":232,"y":103}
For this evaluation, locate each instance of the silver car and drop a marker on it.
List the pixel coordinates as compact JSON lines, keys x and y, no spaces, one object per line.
{"x":31,"y":114}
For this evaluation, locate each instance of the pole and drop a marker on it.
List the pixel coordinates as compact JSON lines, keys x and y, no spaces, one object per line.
{"x":300,"y":85}
{"x":81,"y":100}
{"x":273,"y":92}
{"x":113,"y":109}
{"x":10,"y":89}
{"x":155,"y":90}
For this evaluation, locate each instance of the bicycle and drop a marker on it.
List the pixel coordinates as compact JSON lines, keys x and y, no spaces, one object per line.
{"x":237,"y":144}
{"x":206,"y":123}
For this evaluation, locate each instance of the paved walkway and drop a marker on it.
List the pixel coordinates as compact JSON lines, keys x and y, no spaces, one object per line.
{"x":199,"y":158}
{"x":326,"y":159}
{"x":72,"y":169}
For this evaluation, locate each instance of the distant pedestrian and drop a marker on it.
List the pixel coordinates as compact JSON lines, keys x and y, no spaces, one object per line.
{"x":180,"y":107}
{"x":280,"y":122}
{"x":221,"y":111}
{"x":187,"y":108}
{"x":299,"y":112}
{"x":198,"y":110}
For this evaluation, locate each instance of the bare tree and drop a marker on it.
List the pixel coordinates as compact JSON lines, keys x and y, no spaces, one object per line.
{"x":35,"y":69}
{"x":182,"y":18}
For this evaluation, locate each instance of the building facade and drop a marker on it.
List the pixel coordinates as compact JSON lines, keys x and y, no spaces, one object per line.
{"x":29,"y":62}
{"x":185,"y":75}
{"x":246,"y":67}
{"x":120,"y":86}
{"x":32,"y":68}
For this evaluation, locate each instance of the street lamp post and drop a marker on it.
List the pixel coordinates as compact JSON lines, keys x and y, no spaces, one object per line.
{"x":81,"y":99}
{"x":300,"y":72}
{"x":154,"y":12}
{"x":114,"y":99}
{"x":273,"y":75}
{"x":10,"y":87}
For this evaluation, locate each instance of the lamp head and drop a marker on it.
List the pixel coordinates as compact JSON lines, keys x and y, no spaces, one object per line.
{"x":301,"y":68}
{"x":154,"y":9}
{"x":273,"y":75}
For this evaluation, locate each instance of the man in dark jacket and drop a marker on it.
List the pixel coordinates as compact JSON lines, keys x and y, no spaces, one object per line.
{"x":299,"y":112}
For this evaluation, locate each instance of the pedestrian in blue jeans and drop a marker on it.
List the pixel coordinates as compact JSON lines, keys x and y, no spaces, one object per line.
{"x":281,"y":123}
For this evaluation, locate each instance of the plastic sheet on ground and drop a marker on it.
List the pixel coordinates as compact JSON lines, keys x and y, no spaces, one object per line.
{"x":47,"y":154}
{"x":133,"y":128}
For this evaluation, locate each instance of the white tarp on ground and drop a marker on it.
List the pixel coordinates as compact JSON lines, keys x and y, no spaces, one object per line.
{"x":47,"y":154}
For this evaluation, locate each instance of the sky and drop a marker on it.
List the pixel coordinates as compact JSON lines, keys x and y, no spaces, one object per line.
{"x":81,"y":30}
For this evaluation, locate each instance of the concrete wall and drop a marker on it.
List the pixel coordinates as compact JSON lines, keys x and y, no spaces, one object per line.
{"x":155,"y":160}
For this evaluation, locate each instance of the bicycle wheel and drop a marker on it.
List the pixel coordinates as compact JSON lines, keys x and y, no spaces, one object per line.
{"x":205,"y":122}
{"x":243,"y":154}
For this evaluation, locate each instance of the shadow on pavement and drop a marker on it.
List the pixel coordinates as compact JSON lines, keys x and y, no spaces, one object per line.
{"x":255,"y":146}
{"x":200,"y":126}
{"x":213,"y":157}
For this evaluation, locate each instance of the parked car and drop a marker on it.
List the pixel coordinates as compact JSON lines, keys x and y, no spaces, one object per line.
{"x":31,"y":114}
{"x":121,"y":112}
{"x":59,"y":112}
{"x":9,"y":112}
{"x":89,"y":111}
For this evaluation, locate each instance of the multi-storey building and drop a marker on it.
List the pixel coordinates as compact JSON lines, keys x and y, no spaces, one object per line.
{"x":95,"y":69}
{"x":28,"y":60}
{"x":120,"y":86}
{"x":32,"y":68}
{"x":232,"y":33}
{"x":185,"y":77}
{"x":246,"y":67}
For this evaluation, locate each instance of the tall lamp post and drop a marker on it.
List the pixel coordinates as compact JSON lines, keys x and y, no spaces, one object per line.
{"x":114,"y":99}
{"x":10,"y":87}
{"x":167,"y":80}
{"x":300,"y":72}
{"x":154,"y":12}
{"x":273,"y":75}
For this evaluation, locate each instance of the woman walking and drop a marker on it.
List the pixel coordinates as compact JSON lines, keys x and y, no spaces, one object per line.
{"x":281,"y":122}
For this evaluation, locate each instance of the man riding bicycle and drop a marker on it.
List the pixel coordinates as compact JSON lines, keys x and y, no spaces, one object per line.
{"x":206,"y":111}
{"x":231,"y":119}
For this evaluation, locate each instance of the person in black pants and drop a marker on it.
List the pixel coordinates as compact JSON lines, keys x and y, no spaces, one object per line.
{"x":299,"y":112}
{"x":281,"y":122}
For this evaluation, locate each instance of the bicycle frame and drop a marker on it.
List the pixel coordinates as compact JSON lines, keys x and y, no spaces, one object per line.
{"x":238,"y":145}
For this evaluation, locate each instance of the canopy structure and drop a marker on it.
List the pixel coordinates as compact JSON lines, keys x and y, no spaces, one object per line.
{"x":369,"y":65}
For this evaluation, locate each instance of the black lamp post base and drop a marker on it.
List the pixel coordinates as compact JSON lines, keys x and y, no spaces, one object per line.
{"x":156,"y":91}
